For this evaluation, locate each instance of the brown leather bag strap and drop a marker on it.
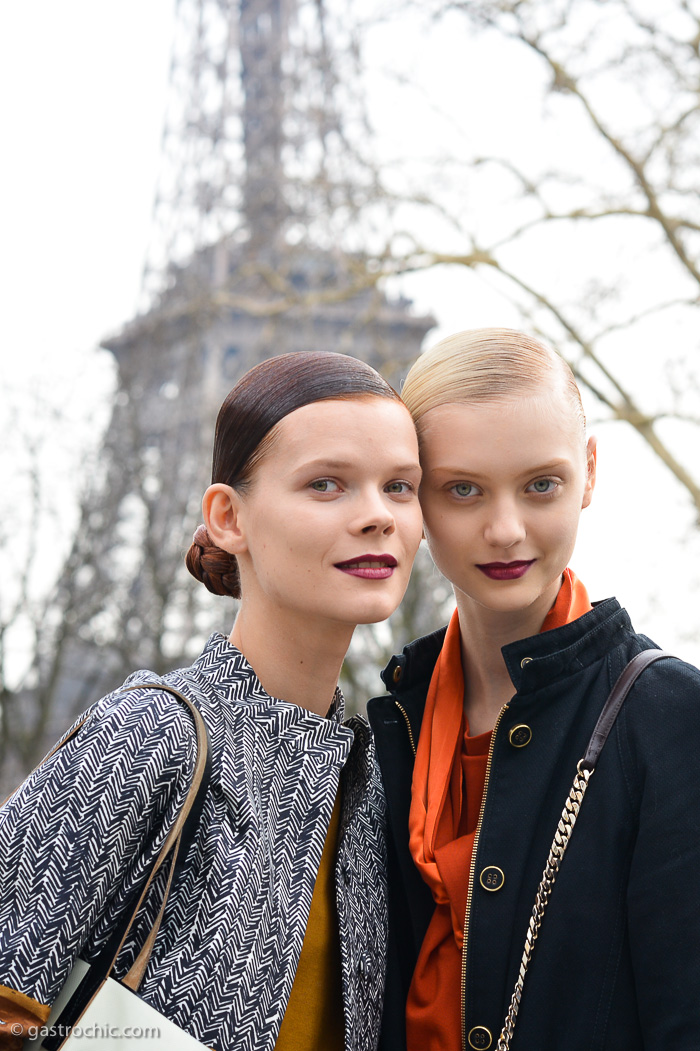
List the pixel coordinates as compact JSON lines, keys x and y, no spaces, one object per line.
{"x":174,"y":849}
{"x":173,"y":852}
{"x":610,"y":712}
{"x":135,"y":974}
{"x":202,"y":765}
{"x":173,"y":841}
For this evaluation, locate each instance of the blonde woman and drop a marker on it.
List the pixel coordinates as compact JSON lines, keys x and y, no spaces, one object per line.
{"x":480,"y":735}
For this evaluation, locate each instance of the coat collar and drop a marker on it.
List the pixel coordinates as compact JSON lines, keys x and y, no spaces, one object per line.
{"x":556,"y":654}
{"x":227,"y":671}
{"x":414,"y":664}
{"x":531,"y":662}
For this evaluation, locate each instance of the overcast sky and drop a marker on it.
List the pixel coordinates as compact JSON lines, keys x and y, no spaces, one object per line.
{"x":82,"y":90}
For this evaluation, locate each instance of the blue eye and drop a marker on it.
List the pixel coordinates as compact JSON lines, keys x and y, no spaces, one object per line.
{"x":543,"y":485}
{"x":325,"y":485}
{"x":463,"y":489}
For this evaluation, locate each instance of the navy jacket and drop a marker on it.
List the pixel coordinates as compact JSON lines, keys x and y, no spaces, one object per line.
{"x":617,"y":962}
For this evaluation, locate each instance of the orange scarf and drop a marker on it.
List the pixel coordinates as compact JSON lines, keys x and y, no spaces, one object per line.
{"x":448,"y":784}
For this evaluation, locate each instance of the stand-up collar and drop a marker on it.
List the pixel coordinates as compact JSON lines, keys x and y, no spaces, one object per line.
{"x":531,"y":662}
{"x":227,"y":669}
{"x":414,"y":663}
{"x":555,"y":654}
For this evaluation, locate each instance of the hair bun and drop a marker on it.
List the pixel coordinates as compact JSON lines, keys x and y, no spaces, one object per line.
{"x":201,"y":537}
{"x":214,"y":567}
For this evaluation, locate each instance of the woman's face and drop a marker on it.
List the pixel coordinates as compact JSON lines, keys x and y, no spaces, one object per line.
{"x":503,"y":486}
{"x":331,"y":521}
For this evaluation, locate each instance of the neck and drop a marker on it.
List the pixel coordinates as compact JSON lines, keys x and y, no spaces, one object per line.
{"x":484,"y":632}
{"x":296,"y":659}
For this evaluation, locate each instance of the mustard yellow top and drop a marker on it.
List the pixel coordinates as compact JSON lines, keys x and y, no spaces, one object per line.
{"x":313,"y":1020}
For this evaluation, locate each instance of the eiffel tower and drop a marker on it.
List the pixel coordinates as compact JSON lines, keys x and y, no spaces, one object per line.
{"x":260,"y":185}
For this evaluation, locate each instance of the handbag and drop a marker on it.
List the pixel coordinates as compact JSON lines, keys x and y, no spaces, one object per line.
{"x":96,"y":1011}
{"x":562,"y":836}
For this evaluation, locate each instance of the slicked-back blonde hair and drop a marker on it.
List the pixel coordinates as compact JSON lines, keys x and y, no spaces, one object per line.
{"x":488,"y":364}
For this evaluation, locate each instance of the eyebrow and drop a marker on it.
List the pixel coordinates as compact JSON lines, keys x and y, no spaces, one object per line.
{"x":343,"y":465}
{"x":547,"y":468}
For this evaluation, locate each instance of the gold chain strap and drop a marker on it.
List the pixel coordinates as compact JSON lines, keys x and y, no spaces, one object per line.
{"x":556,"y":853}
{"x":584,"y":769}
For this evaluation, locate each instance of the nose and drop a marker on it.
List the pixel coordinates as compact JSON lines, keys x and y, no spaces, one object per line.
{"x":504,"y":525}
{"x":375,"y":515}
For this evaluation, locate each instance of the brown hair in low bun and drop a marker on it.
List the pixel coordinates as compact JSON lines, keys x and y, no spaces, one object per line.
{"x":216,"y":568}
{"x":244,"y":433}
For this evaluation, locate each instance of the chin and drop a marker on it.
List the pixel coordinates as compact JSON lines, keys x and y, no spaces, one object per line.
{"x":508,"y":600}
{"x":375,"y":613}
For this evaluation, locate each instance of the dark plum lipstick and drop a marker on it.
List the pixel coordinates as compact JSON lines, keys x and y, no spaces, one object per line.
{"x":370,"y":567}
{"x":505,"y":570}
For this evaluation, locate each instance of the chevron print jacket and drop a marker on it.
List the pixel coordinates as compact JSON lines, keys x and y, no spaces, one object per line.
{"x":82,"y":832}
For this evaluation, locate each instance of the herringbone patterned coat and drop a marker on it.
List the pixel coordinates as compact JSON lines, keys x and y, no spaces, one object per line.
{"x":84,"y":829}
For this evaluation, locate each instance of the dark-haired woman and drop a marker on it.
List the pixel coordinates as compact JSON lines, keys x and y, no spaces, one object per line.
{"x":274,"y":934}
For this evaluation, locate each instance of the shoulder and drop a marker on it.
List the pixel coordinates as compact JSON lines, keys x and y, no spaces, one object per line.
{"x":669,"y":687}
{"x":129,"y":766}
{"x":145,"y":711}
{"x":139,"y":732}
{"x":663,"y":689}
{"x":661,"y":716}
{"x":667,"y":682}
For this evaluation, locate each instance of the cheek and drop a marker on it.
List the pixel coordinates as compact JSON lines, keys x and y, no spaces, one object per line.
{"x":445,"y":525}
{"x":561,"y":532}
{"x":432,"y":517}
{"x":412,"y":528}
{"x":277,"y":539}
{"x":446,"y":551}
{"x":313,"y":532}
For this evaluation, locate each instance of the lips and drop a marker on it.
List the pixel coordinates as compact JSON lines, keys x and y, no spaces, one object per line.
{"x":505,"y":570}
{"x":369,"y":567}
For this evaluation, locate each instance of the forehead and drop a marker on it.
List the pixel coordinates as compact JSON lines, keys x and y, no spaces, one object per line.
{"x":348,"y":425}
{"x":518,"y":431}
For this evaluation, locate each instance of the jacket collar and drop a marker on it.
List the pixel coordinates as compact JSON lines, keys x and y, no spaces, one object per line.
{"x":229,"y":673}
{"x":556,"y":654}
{"x":415,"y":663}
{"x":532,"y":662}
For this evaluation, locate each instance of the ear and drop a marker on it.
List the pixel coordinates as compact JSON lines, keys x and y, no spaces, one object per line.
{"x":591,"y":453}
{"x":221,"y":506}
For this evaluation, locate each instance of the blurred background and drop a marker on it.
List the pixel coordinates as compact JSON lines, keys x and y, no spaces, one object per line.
{"x":189,"y":186}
